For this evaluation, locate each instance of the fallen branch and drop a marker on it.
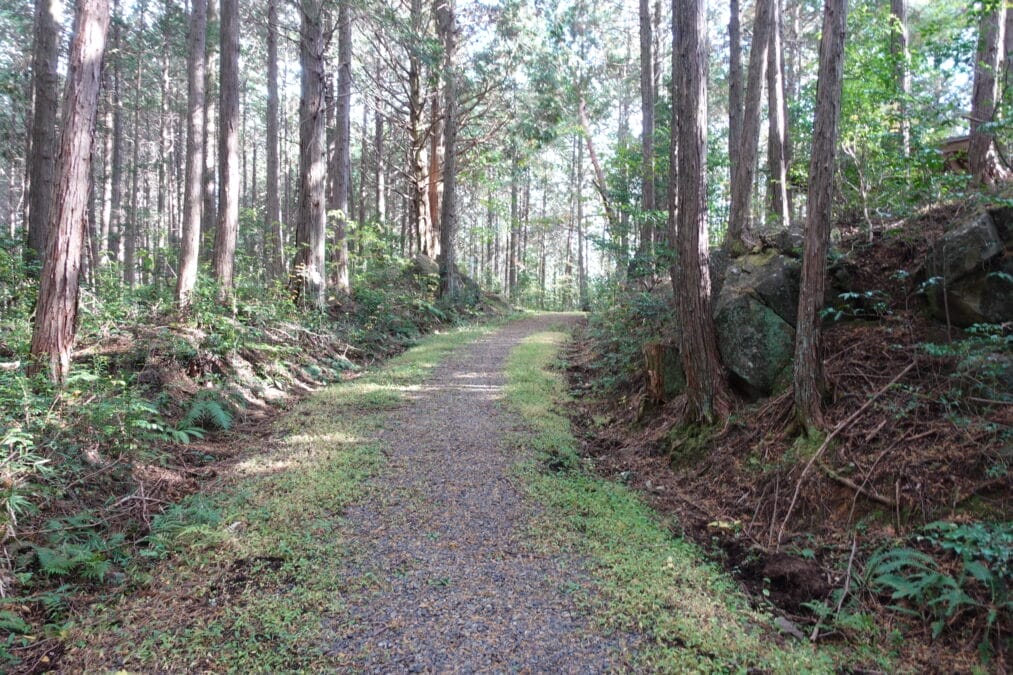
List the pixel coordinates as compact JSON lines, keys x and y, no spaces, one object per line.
{"x":847,"y":482}
{"x":826,"y":443}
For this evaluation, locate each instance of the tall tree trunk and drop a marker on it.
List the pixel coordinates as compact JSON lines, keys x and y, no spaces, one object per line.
{"x":132,"y":227}
{"x":446,"y":25}
{"x":734,"y":84}
{"x":56,"y":312}
{"x":808,"y":371}
{"x":272,"y":211}
{"x":45,"y":103}
{"x":778,"y":204}
{"x":227,"y":224}
{"x":308,"y":266}
{"x":209,"y":216}
{"x":744,"y":170}
{"x":343,"y":162}
{"x":981,"y":154}
{"x":582,"y":293}
{"x":901,"y":55}
{"x":706,"y":393}
{"x":118,"y":220}
{"x":646,"y":247}
{"x":379,"y":174}
{"x":193,"y":196}
{"x":417,"y":214}
{"x":435,"y":187}
{"x":513,"y":244}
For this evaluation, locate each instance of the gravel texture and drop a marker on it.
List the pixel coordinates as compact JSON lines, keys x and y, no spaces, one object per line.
{"x":441,"y":578}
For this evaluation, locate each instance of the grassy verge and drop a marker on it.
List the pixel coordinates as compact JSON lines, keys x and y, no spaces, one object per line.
{"x":252,"y":572}
{"x":693,"y":616}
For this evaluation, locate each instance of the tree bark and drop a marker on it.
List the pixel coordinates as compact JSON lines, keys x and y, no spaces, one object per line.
{"x":343,"y":145}
{"x":209,"y":217}
{"x":118,"y":219}
{"x":778,"y":205}
{"x":193,"y":196}
{"x":446,"y":23}
{"x":56,"y":312}
{"x":981,"y":154}
{"x":900,"y":51}
{"x":582,"y":291}
{"x":227,"y":225}
{"x":272,"y":210}
{"x":308,"y":266}
{"x":734,"y":84}
{"x":744,"y":168}
{"x":645,"y":248}
{"x":808,"y":371}
{"x":45,"y":104}
{"x":132,"y":225}
{"x":706,"y":390}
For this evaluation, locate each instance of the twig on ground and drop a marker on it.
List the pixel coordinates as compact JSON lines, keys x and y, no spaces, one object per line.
{"x":826,"y":443}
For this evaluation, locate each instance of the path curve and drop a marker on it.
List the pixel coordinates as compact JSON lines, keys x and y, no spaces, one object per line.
{"x":441,"y":579}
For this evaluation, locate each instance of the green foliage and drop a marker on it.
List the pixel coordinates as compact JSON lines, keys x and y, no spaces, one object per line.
{"x":618,"y":330}
{"x":857,"y":305}
{"x":974,"y":587}
{"x":876,"y":177}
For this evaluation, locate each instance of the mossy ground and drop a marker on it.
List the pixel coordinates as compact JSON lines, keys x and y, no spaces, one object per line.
{"x":693,"y":617}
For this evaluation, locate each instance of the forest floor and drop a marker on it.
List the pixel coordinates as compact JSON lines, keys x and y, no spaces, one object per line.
{"x":431,"y":515}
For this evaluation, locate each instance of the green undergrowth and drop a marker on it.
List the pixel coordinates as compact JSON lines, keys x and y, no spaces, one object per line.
{"x":692,"y":615}
{"x":251,"y":572}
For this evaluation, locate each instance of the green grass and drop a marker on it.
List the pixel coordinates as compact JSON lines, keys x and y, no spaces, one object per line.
{"x":252,"y":572}
{"x":693,"y":616}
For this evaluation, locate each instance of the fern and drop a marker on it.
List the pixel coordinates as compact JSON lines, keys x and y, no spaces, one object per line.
{"x":206,"y":413}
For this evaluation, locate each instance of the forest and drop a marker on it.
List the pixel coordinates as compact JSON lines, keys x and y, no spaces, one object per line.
{"x":506,"y":335}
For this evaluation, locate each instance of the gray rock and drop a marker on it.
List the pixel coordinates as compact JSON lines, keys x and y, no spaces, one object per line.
{"x":755,"y":343}
{"x":772,"y":277}
{"x":423,"y":265}
{"x":977,"y":266}
{"x":965,"y":249}
{"x":1002,"y":218}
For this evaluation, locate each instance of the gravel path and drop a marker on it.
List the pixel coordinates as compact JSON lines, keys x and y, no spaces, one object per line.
{"x":440,"y":578}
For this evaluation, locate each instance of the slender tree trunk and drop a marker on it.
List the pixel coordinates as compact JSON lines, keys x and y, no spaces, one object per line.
{"x":417,"y":214}
{"x":119,"y":218}
{"x":512,"y":244}
{"x":706,"y":393}
{"x":734,"y":85}
{"x":272,"y":210}
{"x":778,"y":204}
{"x":209,"y":214}
{"x":646,"y":247}
{"x":343,"y":162}
{"x":132,"y":227}
{"x":308,"y":266}
{"x":744,"y":170}
{"x":45,"y":103}
{"x":227,"y":224}
{"x":101,"y":245}
{"x":582,"y":292}
{"x":379,"y":173}
{"x":446,"y":25}
{"x":981,"y":154}
{"x":901,"y":55}
{"x":56,"y":312}
{"x":808,"y":373}
{"x":193,"y":196}
{"x":435,"y":187}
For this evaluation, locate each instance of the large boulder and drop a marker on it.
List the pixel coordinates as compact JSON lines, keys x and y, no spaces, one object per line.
{"x":969,"y":272}
{"x":423,"y":265}
{"x":772,"y":277}
{"x":756,"y":344}
{"x":965,"y":249}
